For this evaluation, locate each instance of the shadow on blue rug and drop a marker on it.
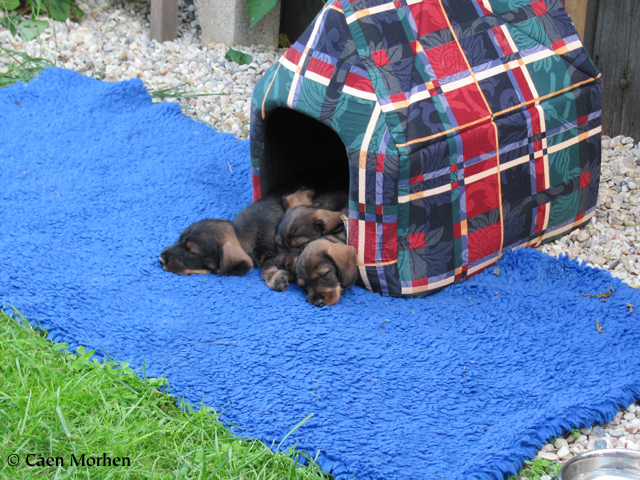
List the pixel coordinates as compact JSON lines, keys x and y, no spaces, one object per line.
{"x":467,"y":384}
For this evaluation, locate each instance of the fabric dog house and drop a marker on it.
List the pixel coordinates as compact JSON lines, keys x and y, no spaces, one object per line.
{"x":463,"y":128}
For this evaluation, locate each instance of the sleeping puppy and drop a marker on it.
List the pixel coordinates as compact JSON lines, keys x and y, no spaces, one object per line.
{"x":309,"y":216}
{"x":335,"y":201}
{"x":325,"y":268}
{"x":226,"y":247}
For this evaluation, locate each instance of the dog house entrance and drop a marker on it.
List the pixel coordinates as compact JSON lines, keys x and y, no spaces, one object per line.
{"x":300,"y":150}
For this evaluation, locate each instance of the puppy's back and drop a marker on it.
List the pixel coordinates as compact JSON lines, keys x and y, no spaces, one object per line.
{"x":256,"y":226}
{"x":336,"y":201}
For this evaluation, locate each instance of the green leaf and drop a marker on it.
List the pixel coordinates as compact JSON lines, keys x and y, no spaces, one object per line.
{"x":258,"y":9}
{"x":9,"y":4}
{"x":59,"y":9}
{"x":11,"y":21}
{"x":30,"y":29}
{"x":77,"y":11}
{"x":63,"y":421}
{"x":238,"y":57}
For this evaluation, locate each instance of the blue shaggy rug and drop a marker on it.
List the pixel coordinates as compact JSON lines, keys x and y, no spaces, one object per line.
{"x":95,"y":180}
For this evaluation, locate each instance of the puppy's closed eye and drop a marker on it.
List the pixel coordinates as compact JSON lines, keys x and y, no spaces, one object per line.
{"x":324,"y":272}
{"x":299,"y":242}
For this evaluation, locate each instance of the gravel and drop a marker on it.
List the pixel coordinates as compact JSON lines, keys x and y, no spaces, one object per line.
{"x":112,"y":43}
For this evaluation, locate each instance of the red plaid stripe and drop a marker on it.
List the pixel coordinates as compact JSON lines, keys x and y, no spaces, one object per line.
{"x":428,"y":16}
{"x":321,"y":68}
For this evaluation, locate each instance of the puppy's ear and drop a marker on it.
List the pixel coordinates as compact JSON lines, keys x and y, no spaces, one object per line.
{"x":297,"y":199}
{"x":327,"y":221}
{"x":235,"y":260}
{"x":344,"y":258}
{"x":193,"y":247}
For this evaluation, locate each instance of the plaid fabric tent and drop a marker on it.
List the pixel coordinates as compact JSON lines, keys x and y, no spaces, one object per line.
{"x":470,"y":127}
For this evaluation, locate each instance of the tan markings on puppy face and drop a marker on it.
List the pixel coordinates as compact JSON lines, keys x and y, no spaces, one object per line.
{"x":301,"y":197}
{"x":327,"y":221}
{"x":330,"y":296}
{"x":299,"y":242}
{"x":174,"y":265}
{"x":192,"y":272}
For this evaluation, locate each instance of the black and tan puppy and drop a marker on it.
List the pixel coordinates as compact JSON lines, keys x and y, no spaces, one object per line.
{"x":309,"y":216}
{"x":337,"y":200}
{"x":226,"y":247}
{"x":325,"y":268}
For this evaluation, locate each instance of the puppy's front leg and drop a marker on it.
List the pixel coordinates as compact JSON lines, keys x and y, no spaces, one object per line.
{"x":275,"y":277}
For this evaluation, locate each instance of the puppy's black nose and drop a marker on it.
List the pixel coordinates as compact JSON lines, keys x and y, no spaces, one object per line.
{"x":161,"y":260}
{"x":319,"y":302}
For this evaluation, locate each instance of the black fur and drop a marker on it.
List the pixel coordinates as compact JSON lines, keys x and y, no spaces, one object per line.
{"x":232,"y":248}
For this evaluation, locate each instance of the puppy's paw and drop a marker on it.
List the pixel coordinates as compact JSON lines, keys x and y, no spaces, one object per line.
{"x":276,"y":279}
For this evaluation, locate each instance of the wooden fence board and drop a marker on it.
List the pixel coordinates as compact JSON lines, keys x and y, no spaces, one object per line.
{"x":164,"y":20}
{"x":611,"y":54}
{"x":630,"y":118}
{"x":577,"y":10}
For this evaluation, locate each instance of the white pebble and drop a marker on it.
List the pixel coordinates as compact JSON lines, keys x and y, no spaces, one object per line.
{"x":548,"y":456}
{"x":564,"y":452}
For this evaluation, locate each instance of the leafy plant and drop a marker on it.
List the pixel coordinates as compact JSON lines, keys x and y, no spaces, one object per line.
{"x":534,"y":469}
{"x":283,"y":41}
{"x":9,"y":4}
{"x":238,"y":57}
{"x":29,"y":28}
{"x":21,"y":67}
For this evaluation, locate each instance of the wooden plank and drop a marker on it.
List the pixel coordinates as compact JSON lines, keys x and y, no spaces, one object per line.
{"x":611,"y":52}
{"x":591,"y":25}
{"x":577,"y":10}
{"x":630,"y":118}
{"x":164,"y":20}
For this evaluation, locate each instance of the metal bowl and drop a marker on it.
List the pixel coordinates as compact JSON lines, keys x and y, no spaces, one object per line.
{"x":607,"y":464}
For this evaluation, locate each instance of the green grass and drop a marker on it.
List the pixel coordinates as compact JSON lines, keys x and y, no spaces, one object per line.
{"x":57,"y":404}
{"x":54,"y":404}
{"x":19,"y":66}
{"x":536,"y":468}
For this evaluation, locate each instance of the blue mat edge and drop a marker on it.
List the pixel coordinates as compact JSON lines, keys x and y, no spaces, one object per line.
{"x":602,"y":411}
{"x":526,"y":449}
